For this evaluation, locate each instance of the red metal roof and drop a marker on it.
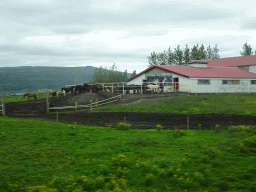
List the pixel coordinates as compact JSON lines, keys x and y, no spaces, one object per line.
{"x":198,"y":62}
{"x":218,"y":72}
{"x":233,"y":61}
{"x":202,"y":72}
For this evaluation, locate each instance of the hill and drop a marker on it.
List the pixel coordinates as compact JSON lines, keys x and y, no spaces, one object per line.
{"x":28,"y":78}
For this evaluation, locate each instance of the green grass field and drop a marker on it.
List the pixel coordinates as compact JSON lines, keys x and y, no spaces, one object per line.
{"x":225,"y":104}
{"x":40,"y":156}
{"x":19,"y":98}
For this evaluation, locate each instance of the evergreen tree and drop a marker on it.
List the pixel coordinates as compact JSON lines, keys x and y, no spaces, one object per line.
{"x":209,"y":54}
{"x":216,"y":52}
{"x":162,"y":58}
{"x":247,"y":50}
{"x":134,"y":73}
{"x":186,"y":55}
{"x":178,"y":55}
{"x":202,"y":53}
{"x":170,"y":57}
{"x":195,"y":53}
{"x":152,"y":59}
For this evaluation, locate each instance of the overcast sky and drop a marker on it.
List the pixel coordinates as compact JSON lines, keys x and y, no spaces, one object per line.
{"x":103,"y":32}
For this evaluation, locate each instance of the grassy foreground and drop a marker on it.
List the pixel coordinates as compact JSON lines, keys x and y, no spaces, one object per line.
{"x":38,"y":156}
{"x":225,"y":104}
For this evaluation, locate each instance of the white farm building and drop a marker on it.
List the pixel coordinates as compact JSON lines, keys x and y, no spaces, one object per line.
{"x":226,"y":75}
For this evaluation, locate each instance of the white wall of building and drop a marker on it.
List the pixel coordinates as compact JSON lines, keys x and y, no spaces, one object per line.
{"x":184,"y":83}
{"x":216,"y":86}
{"x":137,"y":80}
{"x":252,"y":68}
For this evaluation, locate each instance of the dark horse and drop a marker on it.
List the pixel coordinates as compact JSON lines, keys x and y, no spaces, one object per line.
{"x":30,"y":95}
{"x":70,"y":89}
{"x":90,"y":88}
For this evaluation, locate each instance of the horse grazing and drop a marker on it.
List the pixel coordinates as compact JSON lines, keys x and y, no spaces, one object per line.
{"x":30,"y":95}
{"x":61,"y":93}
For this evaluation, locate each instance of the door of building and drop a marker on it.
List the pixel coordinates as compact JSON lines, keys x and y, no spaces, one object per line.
{"x":176,"y":83}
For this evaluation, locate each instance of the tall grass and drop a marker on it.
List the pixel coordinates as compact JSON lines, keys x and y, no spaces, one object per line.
{"x":225,"y":104}
{"x":46,"y":156}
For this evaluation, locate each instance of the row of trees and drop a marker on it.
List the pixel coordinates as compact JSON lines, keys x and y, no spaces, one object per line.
{"x":181,"y":56}
{"x":247,"y":50}
{"x":111,"y":75}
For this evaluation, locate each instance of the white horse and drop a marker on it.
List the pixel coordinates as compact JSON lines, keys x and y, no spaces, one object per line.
{"x":154,"y":88}
{"x":61,"y":93}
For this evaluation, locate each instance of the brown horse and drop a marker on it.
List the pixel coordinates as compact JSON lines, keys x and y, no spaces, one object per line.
{"x":30,"y":95}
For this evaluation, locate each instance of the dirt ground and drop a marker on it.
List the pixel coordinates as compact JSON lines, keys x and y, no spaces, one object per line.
{"x":138,"y":120}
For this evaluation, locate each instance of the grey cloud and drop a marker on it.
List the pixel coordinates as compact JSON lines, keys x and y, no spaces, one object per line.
{"x":248,"y":24}
{"x":32,"y":50}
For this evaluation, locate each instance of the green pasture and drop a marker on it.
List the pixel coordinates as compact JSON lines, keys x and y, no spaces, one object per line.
{"x":220,"y":103}
{"x":19,"y":98}
{"x":40,"y":156}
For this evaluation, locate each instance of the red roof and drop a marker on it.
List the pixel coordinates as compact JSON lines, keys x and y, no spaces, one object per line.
{"x":233,"y":61}
{"x":205,"y":72}
{"x":197,"y":62}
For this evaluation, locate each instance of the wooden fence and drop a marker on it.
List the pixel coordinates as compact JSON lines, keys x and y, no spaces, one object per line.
{"x":91,"y":105}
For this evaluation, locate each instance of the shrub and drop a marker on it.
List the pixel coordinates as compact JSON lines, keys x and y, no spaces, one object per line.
{"x":200,"y":126}
{"x":217,"y":128}
{"x":159,"y":127}
{"x":179,"y":133}
{"x":123,"y":126}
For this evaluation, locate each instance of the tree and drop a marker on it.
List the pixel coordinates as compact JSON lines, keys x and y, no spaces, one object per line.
{"x":170,"y":57}
{"x":216,"y":52}
{"x":186,"y":55}
{"x":195,"y":53}
{"x":202,"y":53}
{"x":178,"y":55}
{"x":152,"y":59}
{"x":162,"y":58}
{"x":111,"y":75}
{"x":209,"y":54}
{"x":247,"y":50}
{"x":134,"y":73}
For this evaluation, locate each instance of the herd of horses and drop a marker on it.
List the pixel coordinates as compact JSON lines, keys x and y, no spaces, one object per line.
{"x":78,"y":89}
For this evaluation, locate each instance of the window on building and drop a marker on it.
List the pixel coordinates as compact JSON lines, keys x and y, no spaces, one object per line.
{"x":204,"y":81}
{"x":230,"y":82}
{"x":253,"y":82}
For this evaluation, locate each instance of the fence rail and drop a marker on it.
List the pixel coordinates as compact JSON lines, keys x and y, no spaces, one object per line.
{"x":95,"y":104}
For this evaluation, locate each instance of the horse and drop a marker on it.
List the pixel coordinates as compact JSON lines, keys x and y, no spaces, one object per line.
{"x":53,"y":93}
{"x":61,"y":93}
{"x":30,"y":95}
{"x":80,"y":89}
{"x":90,"y":88}
{"x":154,"y":88}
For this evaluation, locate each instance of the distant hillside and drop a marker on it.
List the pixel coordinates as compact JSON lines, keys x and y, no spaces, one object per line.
{"x":27,"y":78}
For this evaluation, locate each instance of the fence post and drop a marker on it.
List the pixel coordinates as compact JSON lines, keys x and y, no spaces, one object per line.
{"x":47,"y":101}
{"x":91,"y":104}
{"x":3,"y":107}
{"x":57,"y":117}
{"x":96,"y":102}
{"x":76,"y":105}
{"x":123,"y":88}
{"x":187,"y":122}
{"x":124,"y":119}
{"x":140,"y":89}
{"x":112,"y":87}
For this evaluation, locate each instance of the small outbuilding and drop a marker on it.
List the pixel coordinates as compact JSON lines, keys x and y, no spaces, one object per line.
{"x":227,"y":75}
